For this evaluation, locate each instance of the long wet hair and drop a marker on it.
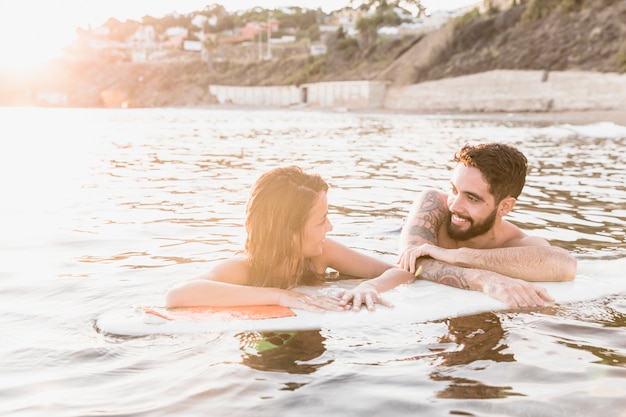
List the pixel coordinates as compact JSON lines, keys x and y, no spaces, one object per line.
{"x":502,"y":165}
{"x":277,"y":210}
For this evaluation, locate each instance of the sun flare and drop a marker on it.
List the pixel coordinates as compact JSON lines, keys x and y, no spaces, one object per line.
{"x":31,"y":39}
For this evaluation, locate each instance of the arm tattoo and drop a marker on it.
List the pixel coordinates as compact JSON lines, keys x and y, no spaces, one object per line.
{"x":427,"y":219}
{"x":424,"y":225}
{"x":443,"y":273}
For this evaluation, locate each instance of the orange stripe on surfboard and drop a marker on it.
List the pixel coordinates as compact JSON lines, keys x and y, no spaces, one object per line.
{"x":221,"y":313}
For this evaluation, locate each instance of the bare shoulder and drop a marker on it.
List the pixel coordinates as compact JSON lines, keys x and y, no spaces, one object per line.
{"x":516,"y":237}
{"x":234,"y":270}
{"x":332,"y":251}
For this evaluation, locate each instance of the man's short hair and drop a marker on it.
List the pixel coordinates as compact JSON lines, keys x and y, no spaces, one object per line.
{"x":503,"y":166}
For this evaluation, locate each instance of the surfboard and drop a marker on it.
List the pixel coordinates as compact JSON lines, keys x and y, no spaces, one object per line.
{"x":420,"y":301}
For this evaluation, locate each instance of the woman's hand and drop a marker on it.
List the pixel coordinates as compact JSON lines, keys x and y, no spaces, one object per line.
{"x":313,"y":303}
{"x":364,"y":293}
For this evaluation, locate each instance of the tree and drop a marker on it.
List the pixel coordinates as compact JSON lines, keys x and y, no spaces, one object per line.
{"x":384,"y":14}
{"x":416,"y":5}
{"x":209,"y":44}
{"x":219,"y":18}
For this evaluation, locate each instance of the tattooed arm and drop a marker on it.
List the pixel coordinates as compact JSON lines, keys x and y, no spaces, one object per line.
{"x":524,"y":257}
{"x":428,"y":213}
{"x":511,"y":291}
{"x":427,"y":216}
{"x":538,"y":263}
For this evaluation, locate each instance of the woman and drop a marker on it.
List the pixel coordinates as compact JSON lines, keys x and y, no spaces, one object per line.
{"x":286,"y":246}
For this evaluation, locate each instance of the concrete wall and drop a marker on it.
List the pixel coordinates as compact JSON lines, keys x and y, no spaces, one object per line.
{"x":350,"y":94}
{"x":273,"y":96}
{"x":493,"y":91}
{"x":513,"y":91}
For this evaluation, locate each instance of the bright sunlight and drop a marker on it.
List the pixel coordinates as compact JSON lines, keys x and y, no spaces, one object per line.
{"x":32,"y":34}
{"x":32,"y":31}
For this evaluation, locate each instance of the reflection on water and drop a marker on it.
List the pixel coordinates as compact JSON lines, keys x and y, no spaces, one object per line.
{"x":477,"y":338}
{"x":288,"y":351}
{"x":106,"y":209}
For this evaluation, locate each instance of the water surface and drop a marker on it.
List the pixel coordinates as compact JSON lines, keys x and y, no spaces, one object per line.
{"x":106,"y":209}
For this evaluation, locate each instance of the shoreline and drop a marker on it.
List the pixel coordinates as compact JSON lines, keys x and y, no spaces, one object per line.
{"x":574,"y":117}
{"x":525,"y":96}
{"x":580,"y":117}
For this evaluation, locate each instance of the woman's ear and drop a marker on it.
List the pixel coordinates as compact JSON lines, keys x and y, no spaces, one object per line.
{"x":506,"y":205}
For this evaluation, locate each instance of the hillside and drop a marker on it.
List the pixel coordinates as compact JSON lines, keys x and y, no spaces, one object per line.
{"x":590,"y":37}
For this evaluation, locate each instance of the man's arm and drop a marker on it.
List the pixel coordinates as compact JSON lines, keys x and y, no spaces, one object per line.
{"x":525,"y":257}
{"x":511,"y":291}
{"x":530,"y":263}
{"x":427,"y":214}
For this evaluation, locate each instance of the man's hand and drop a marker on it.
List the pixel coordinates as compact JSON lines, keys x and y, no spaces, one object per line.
{"x":410,"y":255}
{"x":516,"y":293}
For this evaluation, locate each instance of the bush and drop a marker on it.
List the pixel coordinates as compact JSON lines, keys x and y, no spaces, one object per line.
{"x":539,"y":9}
{"x":467,"y":18}
{"x":346,"y":44}
{"x":568,"y":6}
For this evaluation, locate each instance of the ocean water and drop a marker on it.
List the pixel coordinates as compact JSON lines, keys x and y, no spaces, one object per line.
{"x":103,"y":210}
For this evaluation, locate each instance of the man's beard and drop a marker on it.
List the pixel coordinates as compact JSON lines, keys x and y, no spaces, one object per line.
{"x":475,"y":229}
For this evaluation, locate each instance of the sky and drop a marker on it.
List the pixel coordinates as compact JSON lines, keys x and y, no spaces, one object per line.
{"x":34,"y":31}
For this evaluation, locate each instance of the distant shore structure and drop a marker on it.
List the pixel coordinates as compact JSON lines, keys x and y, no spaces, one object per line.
{"x":492,"y":91}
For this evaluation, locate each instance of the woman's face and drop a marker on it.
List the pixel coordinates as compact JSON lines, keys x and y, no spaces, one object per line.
{"x":315,"y":228}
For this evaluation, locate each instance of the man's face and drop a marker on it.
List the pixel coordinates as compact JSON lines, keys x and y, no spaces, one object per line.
{"x":472,"y":208}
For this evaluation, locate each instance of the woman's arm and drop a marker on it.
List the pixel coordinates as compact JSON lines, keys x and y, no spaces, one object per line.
{"x":384,"y":275}
{"x":226,"y":285}
{"x":348,"y":261}
{"x":203,"y":292}
{"x":368,"y":292}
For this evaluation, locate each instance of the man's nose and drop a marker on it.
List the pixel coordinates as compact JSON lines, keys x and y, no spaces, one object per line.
{"x":454,"y":203}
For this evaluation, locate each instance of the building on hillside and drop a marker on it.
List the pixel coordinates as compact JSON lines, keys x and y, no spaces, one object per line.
{"x":318,"y":49}
{"x":174,"y":37}
{"x":345,"y":18}
{"x":250,"y":30}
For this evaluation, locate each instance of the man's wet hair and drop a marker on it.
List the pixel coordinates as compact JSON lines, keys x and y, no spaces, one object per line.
{"x":503,"y":166}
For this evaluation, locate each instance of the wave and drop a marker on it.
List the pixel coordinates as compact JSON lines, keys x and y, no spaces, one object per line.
{"x":608,"y":130}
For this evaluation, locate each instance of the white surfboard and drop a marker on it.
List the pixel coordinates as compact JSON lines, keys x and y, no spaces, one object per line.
{"x":420,"y":301}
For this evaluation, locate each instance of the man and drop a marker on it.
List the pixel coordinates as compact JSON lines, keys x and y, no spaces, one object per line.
{"x":462,"y":239}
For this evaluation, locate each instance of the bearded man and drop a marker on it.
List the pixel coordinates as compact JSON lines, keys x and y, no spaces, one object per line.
{"x":461,"y":238}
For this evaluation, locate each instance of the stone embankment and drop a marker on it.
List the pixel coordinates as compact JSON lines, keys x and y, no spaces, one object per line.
{"x":513,"y":91}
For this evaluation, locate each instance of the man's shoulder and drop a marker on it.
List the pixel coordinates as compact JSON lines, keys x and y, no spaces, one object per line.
{"x":515,"y":237}
{"x":432,"y":198}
